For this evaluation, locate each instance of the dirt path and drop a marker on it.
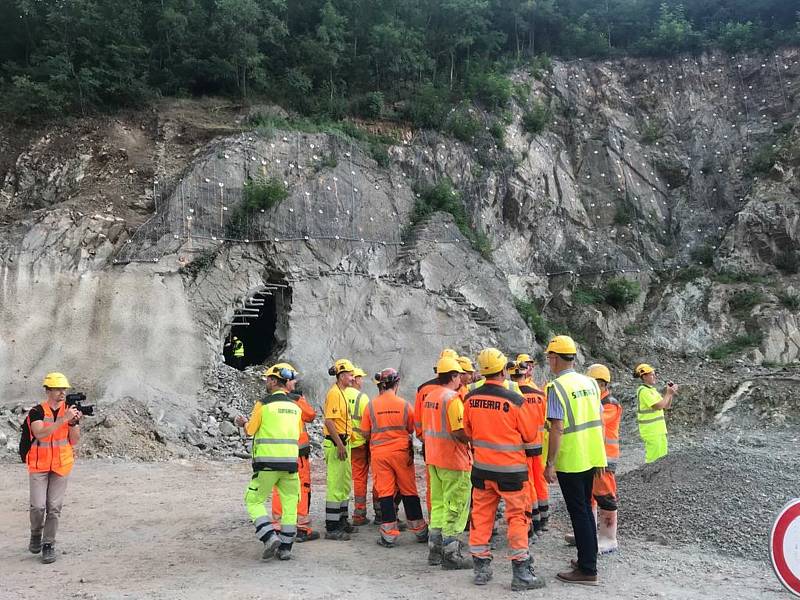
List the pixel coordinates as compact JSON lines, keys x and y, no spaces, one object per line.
{"x":179,"y":531}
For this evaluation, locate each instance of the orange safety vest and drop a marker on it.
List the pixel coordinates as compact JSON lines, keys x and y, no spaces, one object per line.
{"x":307,"y":415}
{"x":441,"y":450}
{"x":612,"y":415}
{"x":534,"y":410}
{"x":422,"y":391}
{"x":498,"y":429}
{"x":389,"y":423}
{"x":53,"y":453}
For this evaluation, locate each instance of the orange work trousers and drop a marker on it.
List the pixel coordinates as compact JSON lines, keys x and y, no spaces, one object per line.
{"x":360,"y":465}
{"x":392,"y":472}
{"x":604,"y":490}
{"x":537,"y":486}
{"x":485,"y":498}
{"x":303,"y":505}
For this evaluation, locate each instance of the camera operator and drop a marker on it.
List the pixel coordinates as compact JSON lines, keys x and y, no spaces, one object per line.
{"x":54,"y":429}
{"x":650,"y":413}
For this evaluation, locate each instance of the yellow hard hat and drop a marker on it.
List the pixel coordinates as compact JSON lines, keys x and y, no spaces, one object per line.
{"x":56,"y":380}
{"x":448,"y":353}
{"x":283,"y":371}
{"x":643,"y":369}
{"x":491,"y":361}
{"x":359,"y":372}
{"x":562,"y":344}
{"x":448,"y":365}
{"x":598,"y":371}
{"x":524,"y":358}
{"x":466,"y":364}
{"x":341,"y":366}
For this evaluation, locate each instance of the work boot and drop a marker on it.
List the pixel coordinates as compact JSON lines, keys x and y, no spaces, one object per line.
{"x":346,"y":525}
{"x":569,"y":539}
{"x":270,"y":547}
{"x":284,"y":552}
{"x":358,"y":521}
{"x":482,"y":570}
{"x":523,"y":577}
{"x":339,"y":535}
{"x":303,"y":535}
{"x":607,"y":532}
{"x":422,"y":536}
{"x":401,"y":525}
{"x":385,"y":544}
{"x":435,"y":547}
{"x":544,"y":527}
{"x":35,"y":545}
{"x":48,"y":554}
{"x":453,"y":558}
{"x":578,"y":577}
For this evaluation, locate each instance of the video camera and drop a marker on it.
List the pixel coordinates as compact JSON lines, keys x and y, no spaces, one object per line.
{"x":75,"y":400}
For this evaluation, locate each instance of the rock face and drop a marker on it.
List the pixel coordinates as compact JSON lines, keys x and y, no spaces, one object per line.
{"x":679,"y":175}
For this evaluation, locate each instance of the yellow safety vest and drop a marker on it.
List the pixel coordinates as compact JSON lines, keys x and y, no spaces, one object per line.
{"x":651,"y":420}
{"x":238,"y":349}
{"x":507,"y":383}
{"x":275,"y":444}
{"x":356,"y":403}
{"x":582,"y":444}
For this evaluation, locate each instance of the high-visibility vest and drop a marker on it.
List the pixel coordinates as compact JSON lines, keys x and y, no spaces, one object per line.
{"x":534,"y":409}
{"x":390,"y":424}
{"x":651,"y":420}
{"x":276,"y":443}
{"x":441,"y":450}
{"x":356,"y":402}
{"x":498,"y":431}
{"x":422,"y":391}
{"x":612,"y":415}
{"x":238,"y":349}
{"x":53,"y":453}
{"x":308,"y":414}
{"x":582,"y":446}
{"x":512,"y":386}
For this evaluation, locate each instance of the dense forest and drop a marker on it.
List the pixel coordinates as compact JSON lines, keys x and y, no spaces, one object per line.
{"x":339,"y":57}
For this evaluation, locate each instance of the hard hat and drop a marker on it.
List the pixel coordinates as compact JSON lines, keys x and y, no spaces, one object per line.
{"x":283,"y":371}
{"x":598,"y":371}
{"x":359,"y":372}
{"x":341,"y":366}
{"x":56,"y":380}
{"x":643,"y":369}
{"x":524,"y":358}
{"x":466,"y":364}
{"x":387,"y":377}
{"x":491,"y":361}
{"x":562,"y":344}
{"x":448,"y":353}
{"x":448,"y":365}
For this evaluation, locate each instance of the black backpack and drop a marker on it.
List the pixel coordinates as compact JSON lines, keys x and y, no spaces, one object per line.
{"x":25,"y":438}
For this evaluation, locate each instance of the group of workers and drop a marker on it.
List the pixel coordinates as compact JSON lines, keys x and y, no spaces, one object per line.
{"x":487,"y":435}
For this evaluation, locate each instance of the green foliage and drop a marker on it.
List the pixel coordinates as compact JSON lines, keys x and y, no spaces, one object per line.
{"x":633,"y":329}
{"x":200,"y":263}
{"x":533,"y":319}
{"x":762,"y":160}
{"x":788,"y":262}
{"x":743,"y":300}
{"x":623,"y":215}
{"x":737,"y":37}
{"x":735,"y":346}
{"x":789,"y":300}
{"x":257,"y":195}
{"x":621,"y":292}
{"x":443,"y":197}
{"x":587,"y":295}
{"x":536,"y":119}
{"x":673,"y":33}
{"x":463,"y":124}
{"x":428,"y":108}
{"x":492,"y":89}
{"x":540,"y":65}
{"x":380,"y":152}
{"x":652,"y":131}
{"x":703,"y":255}
{"x":688,"y":274}
{"x":727,"y":276}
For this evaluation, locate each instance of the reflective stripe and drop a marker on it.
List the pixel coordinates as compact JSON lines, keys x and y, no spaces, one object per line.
{"x":375,"y":442}
{"x":498,"y":447}
{"x":285,"y":539}
{"x":275,"y":459}
{"x":531,"y":446}
{"x":644,"y":421}
{"x":520,"y":554}
{"x":648,"y":411}
{"x":502,"y":468}
{"x":429,"y":433}
{"x":612,"y":442}
{"x":480,"y":550}
{"x":304,"y":446}
{"x":389,"y":428}
{"x":261,"y":521}
{"x":261,"y":441}
{"x":582,"y":426}
{"x":571,"y":427}
{"x":54,"y":443}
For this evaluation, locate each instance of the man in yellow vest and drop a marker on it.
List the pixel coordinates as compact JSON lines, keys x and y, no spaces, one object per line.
{"x":338,"y":430}
{"x":275,"y":425}
{"x":576,"y":450}
{"x":54,"y":429}
{"x":650,"y":412}
{"x":359,"y":450}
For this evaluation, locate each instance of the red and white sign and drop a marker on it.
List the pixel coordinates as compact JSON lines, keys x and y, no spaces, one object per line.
{"x":784,"y":546}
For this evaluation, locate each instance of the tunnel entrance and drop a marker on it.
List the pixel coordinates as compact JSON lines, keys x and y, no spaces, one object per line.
{"x":259,"y":326}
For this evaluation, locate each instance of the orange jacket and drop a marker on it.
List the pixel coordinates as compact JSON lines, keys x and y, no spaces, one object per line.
{"x":534,"y":410}
{"x":307,"y":414}
{"x":612,"y":415}
{"x":499,"y":430}
{"x":389,"y":423}
{"x":53,"y":453}
{"x":441,"y":450}
{"x":422,"y":391}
